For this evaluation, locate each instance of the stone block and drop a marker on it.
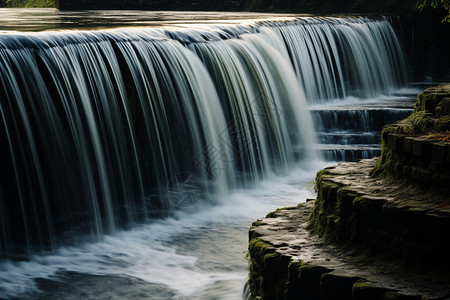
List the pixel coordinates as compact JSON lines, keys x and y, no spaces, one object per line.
{"x":418,"y":147}
{"x":439,"y":152}
{"x":429,"y":104}
{"x":304,"y":281}
{"x":337,"y":286}
{"x":407,"y":145}
{"x":345,"y":202}
{"x":366,"y":291}
{"x":448,"y":152}
{"x":395,"y":142}
{"x":443,"y":108}
{"x":370,"y":204}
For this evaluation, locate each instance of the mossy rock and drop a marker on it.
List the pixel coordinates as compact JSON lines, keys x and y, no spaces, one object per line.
{"x":337,"y":286}
{"x":304,"y":281}
{"x":268,"y":270}
{"x":363,"y":290}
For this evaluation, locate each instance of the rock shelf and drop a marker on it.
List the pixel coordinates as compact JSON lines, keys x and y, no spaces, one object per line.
{"x":363,"y":238}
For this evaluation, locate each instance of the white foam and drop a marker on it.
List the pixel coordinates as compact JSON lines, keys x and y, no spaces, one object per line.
{"x":152,"y":253}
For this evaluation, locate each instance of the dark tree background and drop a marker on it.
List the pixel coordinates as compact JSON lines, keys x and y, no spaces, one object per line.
{"x":300,"y":6}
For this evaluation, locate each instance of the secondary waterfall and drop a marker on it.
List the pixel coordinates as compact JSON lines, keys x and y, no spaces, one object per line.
{"x":104,"y":129}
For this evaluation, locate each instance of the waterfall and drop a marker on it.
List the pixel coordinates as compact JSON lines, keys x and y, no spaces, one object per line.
{"x":338,"y":57}
{"x":103,"y":129}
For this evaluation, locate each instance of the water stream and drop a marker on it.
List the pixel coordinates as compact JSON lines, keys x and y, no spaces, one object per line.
{"x":134,"y":159}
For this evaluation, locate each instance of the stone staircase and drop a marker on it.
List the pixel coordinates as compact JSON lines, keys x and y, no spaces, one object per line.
{"x":420,"y":150}
{"x":352,"y":132}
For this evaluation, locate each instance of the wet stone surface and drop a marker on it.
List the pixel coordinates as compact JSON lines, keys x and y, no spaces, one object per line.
{"x":286,"y":233}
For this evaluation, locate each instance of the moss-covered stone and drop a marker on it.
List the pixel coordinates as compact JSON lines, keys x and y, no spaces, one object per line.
{"x":416,"y":148}
{"x":337,"y":286}
{"x":304,"y":281}
{"x":286,"y":262}
{"x":363,"y":290}
{"x":268,"y":271}
{"x":360,"y":212}
{"x":387,"y":216}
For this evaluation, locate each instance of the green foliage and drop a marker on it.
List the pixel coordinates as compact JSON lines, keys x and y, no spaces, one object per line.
{"x":420,"y":120}
{"x":445,"y":4}
{"x":40,"y":3}
{"x":30,"y":3}
{"x":15,"y":3}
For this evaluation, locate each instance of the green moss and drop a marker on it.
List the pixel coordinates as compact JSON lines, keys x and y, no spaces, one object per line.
{"x":270,"y":257}
{"x":389,"y":158}
{"x":30,"y":3}
{"x":272,"y":214}
{"x":361,"y":284}
{"x":325,"y":213}
{"x":325,"y":204}
{"x":419,"y":103}
{"x":303,"y":281}
{"x":420,"y":120}
{"x":442,"y":124}
{"x":257,"y":249}
{"x":328,"y":193}
{"x":363,"y":290}
{"x":286,"y":208}
{"x":305,"y":268}
{"x":268,"y":270}
{"x":257,"y":223}
{"x":318,"y":179}
{"x":40,"y":3}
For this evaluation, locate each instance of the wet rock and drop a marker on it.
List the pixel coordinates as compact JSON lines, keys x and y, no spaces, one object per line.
{"x":372,"y":240}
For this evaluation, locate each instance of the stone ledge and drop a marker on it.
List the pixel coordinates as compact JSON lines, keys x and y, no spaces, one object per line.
{"x":417,"y":149}
{"x":435,"y":100}
{"x":376,"y":216}
{"x":392,"y":243}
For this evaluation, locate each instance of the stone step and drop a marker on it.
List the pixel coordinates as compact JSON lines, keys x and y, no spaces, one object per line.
{"x":348,"y":154}
{"x":348,"y":137}
{"x":352,"y":152}
{"x":349,"y":118}
{"x":420,"y":158}
{"x":369,"y":242}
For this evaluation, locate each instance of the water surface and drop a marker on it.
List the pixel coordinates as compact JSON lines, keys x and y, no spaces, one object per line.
{"x":38,"y":19}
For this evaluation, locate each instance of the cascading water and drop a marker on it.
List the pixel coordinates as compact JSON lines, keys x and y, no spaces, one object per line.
{"x":336,"y":58}
{"x":105,"y":130}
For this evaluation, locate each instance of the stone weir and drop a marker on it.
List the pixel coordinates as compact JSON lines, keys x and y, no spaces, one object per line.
{"x":375,"y":231}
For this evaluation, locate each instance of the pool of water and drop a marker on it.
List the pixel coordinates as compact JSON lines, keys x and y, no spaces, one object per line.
{"x":196,"y":254}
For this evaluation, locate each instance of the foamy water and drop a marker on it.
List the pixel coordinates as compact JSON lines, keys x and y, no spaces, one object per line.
{"x":196,"y":254}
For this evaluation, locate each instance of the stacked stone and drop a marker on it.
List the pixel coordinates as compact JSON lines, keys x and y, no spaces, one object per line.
{"x":421,"y":155}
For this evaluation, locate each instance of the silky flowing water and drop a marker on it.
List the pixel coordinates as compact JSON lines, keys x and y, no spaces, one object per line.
{"x":138,"y":147}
